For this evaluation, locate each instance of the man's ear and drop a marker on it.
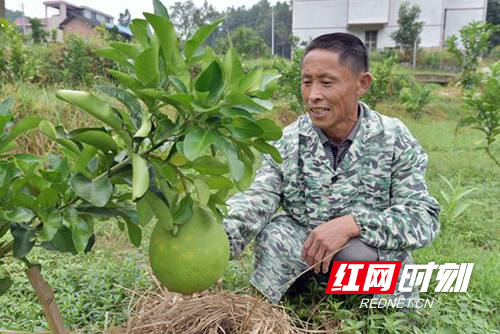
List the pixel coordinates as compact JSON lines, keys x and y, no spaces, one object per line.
{"x":364,"y":82}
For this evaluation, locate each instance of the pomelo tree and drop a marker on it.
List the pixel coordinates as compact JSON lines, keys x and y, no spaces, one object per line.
{"x":186,"y":133}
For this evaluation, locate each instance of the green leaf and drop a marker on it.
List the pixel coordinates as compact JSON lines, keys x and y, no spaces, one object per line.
{"x":264,"y":147}
{"x":251,"y":81}
{"x":93,"y":105}
{"x":184,"y":210}
{"x":81,"y":231}
{"x":6,"y":106}
{"x":243,"y":128}
{"x":164,"y":170}
{"x":7,"y":172}
{"x":202,"y":191}
{"x":62,"y":241}
{"x":160,"y":9}
{"x":25,"y":200}
{"x":199,"y":37}
{"x":232,"y":69}
{"x":236,"y":167}
{"x":19,"y":215}
{"x":144,"y":211}
{"x":21,"y":127}
{"x":269,"y":78}
{"x":242,"y":101}
{"x":208,"y":165}
{"x":134,"y":234}
{"x":5,"y":284}
{"x":247,"y":178}
{"x":270,"y":130}
{"x":114,"y":55}
{"x":197,"y":142}
{"x":48,"y":198}
{"x":24,"y":239}
{"x":97,"y":192}
{"x":178,"y":84}
{"x":6,"y":112}
{"x":161,"y":210}
{"x":48,"y":129}
{"x":140,"y":176}
{"x":165,"y":31}
{"x":96,"y":137}
{"x":146,"y":125}
{"x":165,"y":129}
{"x":219,"y":182}
{"x":210,"y":80}
{"x":58,"y":135}
{"x":127,"y":49}
{"x":146,"y":66}
{"x":52,"y":221}
{"x":139,"y":28}
{"x":83,"y":160}
{"x":125,"y":97}
{"x":127,"y":80}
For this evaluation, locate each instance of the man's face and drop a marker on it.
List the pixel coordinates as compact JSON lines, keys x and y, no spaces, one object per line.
{"x":330,"y":90}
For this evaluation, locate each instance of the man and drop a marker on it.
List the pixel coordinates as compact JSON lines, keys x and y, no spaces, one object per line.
{"x":349,"y":176}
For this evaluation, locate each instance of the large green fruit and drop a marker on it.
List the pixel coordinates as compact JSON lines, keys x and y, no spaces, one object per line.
{"x":193,"y":259}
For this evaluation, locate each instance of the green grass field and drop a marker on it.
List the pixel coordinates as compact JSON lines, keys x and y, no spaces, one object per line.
{"x":96,"y":291}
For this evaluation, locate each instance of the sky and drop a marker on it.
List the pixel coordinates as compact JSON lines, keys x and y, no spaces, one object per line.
{"x":35,"y":8}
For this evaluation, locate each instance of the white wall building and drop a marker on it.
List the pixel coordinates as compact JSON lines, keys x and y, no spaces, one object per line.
{"x":373,"y":21}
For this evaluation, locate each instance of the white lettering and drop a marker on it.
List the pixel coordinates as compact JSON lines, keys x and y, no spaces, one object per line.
{"x":386,"y":272}
{"x":351,"y":285}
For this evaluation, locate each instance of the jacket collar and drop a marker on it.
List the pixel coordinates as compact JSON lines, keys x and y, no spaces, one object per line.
{"x":370,"y":126}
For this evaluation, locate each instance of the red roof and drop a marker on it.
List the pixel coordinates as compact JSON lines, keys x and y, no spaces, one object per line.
{"x":26,"y":21}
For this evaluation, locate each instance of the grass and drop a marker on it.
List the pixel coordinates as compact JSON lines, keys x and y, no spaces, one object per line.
{"x":92,"y":289}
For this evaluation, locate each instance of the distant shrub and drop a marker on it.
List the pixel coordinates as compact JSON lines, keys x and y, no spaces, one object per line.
{"x":414,"y":98}
{"x":483,"y":109}
{"x":17,"y":62}
{"x":290,"y":81}
{"x":379,"y":90}
{"x":400,"y":78}
{"x":71,"y":63}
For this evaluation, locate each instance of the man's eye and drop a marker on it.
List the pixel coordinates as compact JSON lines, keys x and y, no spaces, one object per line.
{"x":326,"y":83}
{"x":306,"y":82}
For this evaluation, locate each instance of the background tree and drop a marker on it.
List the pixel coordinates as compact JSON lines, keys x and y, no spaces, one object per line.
{"x":205,"y":15}
{"x":182,"y":15}
{"x":2,"y":8}
{"x":258,"y":17}
{"x":474,"y":44}
{"x":493,"y":17}
{"x":409,"y":26}
{"x":246,"y":41}
{"x":125,"y":18}
{"x":38,"y":34}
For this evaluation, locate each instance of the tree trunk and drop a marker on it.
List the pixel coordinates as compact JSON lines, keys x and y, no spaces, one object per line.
{"x":46,"y":298}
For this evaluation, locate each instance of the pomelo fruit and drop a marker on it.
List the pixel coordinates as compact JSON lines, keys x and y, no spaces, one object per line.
{"x":193,"y":259}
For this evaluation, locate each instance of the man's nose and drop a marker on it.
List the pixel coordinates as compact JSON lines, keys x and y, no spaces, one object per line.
{"x":315,"y":93}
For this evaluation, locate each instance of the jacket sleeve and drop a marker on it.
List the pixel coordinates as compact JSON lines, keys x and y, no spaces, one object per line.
{"x":411,"y":221}
{"x":251,"y":210}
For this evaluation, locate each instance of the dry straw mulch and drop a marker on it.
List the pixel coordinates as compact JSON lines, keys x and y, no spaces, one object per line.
{"x":222,"y":312}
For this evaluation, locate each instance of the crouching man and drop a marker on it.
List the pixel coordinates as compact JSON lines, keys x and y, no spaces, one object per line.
{"x":349,"y":176}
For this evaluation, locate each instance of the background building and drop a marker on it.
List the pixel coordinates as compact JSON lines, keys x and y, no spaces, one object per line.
{"x":373,"y":21}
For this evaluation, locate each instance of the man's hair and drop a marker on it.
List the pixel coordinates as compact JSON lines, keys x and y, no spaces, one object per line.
{"x":350,"y":50}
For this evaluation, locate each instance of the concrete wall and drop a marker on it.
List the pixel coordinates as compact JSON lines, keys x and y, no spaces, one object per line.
{"x":442,"y":18}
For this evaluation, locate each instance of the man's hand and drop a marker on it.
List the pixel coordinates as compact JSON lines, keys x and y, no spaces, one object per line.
{"x":326,"y":239}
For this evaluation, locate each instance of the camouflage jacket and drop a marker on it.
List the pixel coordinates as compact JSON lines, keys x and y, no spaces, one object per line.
{"x":380,"y":182}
